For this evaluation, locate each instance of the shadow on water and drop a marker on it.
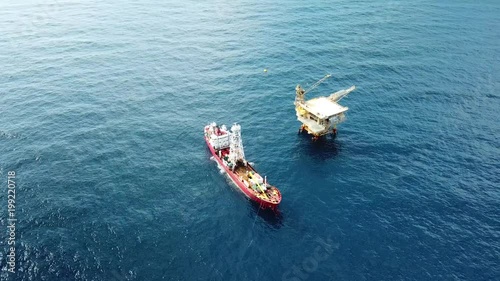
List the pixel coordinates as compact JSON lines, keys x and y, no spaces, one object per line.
{"x":324,"y":148}
{"x":273,"y":217}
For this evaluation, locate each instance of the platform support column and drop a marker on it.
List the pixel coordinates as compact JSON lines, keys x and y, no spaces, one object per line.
{"x":301,"y":129}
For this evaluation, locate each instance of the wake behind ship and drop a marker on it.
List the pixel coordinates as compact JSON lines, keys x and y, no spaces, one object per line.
{"x":227,"y":148}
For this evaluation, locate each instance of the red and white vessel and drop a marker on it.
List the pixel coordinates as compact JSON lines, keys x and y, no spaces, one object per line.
{"x":227,"y":148}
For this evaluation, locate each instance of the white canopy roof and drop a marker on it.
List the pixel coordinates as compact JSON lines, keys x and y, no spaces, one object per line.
{"x":324,"y":108}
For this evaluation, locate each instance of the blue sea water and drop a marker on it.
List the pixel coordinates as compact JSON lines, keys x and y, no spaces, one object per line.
{"x":103,"y":105}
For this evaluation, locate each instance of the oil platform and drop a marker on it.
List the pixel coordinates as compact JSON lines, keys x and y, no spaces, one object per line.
{"x":320,"y":116}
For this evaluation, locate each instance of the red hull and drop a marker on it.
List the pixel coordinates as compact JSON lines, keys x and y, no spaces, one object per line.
{"x":239,"y":183}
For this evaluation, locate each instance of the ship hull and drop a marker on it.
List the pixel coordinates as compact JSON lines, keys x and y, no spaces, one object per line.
{"x":238,"y":182}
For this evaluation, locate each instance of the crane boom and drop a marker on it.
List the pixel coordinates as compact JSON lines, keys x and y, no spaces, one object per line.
{"x":337,"y":96}
{"x":317,"y":83}
{"x":300,"y":93}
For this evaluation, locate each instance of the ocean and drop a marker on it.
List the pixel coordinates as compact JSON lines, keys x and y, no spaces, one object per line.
{"x":103,"y":105}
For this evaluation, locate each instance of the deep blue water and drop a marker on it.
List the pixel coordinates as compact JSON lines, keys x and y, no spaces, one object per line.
{"x":103,"y":104}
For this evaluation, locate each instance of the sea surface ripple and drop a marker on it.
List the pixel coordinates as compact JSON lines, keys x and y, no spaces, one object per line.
{"x":103,"y":105}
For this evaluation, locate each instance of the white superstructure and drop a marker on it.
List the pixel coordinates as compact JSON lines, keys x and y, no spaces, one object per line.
{"x":236,"y":151}
{"x":228,"y":143}
{"x":219,"y":137}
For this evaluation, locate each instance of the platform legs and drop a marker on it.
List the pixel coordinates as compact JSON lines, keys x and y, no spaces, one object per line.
{"x":317,"y":137}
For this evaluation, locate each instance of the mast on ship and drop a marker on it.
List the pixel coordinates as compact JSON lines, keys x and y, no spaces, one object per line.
{"x":236,"y":151}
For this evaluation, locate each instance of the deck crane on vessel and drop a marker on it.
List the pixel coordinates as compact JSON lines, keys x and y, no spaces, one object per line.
{"x":320,"y":116}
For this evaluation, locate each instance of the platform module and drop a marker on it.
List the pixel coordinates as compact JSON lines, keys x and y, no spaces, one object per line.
{"x":320,"y":116}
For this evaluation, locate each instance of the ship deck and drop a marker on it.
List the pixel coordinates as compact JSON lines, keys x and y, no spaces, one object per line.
{"x":271,"y":194}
